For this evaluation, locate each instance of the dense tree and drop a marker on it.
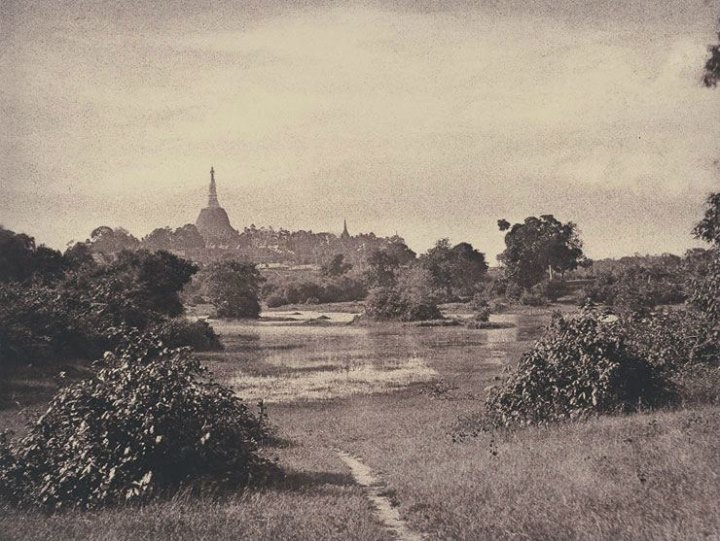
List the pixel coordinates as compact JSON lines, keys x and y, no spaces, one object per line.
{"x":79,"y":314}
{"x":183,"y":239}
{"x":708,"y":229}
{"x":16,"y":252}
{"x":705,"y":285}
{"x":22,"y":260}
{"x":539,"y":247}
{"x":381,"y":269}
{"x":336,"y":266}
{"x":233,"y":287}
{"x":110,"y":241}
{"x":457,"y":270}
{"x":187,"y":238}
{"x":159,"y":239}
{"x":400,"y":251}
{"x":155,"y":279}
{"x":78,"y":256}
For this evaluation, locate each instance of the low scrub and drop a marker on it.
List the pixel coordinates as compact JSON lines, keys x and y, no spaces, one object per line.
{"x":480,"y":307}
{"x":582,"y":365}
{"x":327,"y":289}
{"x":533,"y":297}
{"x":148,"y":421}
{"x":181,"y":332}
{"x":639,"y":287}
{"x":390,"y":303}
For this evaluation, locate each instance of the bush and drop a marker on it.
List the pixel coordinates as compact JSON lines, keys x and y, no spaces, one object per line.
{"x":385,"y":303}
{"x":181,"y":332}
{"x":673,"y":339}
{"x":533,"y":298}
{"x":480,"y":306}
{"x":329,"y":289}
{"x":705,"y":289}
{"x":639,"y":287}
{"x":513,"y":291}
{"x":411,"y":298}
{"x":275,"y":300}
{"x":150,"y":420}
{"x":581,"y":365}
{"x":388,"y":303}
{"x":555,"y":288}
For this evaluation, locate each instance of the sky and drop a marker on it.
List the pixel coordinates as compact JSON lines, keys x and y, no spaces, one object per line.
{"x":426,"y":118}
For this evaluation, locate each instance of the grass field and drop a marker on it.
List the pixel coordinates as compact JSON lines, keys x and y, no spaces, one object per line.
{"x":399,"y":398}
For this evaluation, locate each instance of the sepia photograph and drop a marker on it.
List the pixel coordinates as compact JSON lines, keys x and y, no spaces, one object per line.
{"x":373,"y":270}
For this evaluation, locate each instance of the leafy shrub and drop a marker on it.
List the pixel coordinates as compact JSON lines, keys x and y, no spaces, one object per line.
{"x":149,"y":420}
{"x":639,"y":287}
{"x":181,"y":332}
{"x":332,"y":288}
{"x":388,"y":303}
{"x":699,"y":384}
{"x":705,"y":289}
{"x":674,"y":339}
{"x":555,"y":288}
{"x":275,"y":300}
{"x":480,"y":306}
{"x":533,"y":298}
{"x":513,"y":291}
{"x":385,"y":303}
{"x":411,"y":298}
{"x":581,"y":365}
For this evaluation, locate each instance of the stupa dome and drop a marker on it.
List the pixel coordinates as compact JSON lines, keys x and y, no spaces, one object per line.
{"x":213,"y":221}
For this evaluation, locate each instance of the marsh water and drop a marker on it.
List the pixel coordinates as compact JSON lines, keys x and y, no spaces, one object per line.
{"x":308,"y":355}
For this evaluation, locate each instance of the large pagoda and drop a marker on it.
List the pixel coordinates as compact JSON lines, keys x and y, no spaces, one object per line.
{"x":213,"y":222}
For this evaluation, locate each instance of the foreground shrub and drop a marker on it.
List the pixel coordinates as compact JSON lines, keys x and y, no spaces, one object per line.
{"x":148,"y":421}
{"x":581,"y":365}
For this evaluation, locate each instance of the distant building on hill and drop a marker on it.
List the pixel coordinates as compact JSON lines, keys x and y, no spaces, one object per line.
{"x":213,"y":222}
{"x":212,"y":238}
{"x":345,"y":235}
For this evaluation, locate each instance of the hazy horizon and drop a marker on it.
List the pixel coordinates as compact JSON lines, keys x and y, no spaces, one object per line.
{"x":426,"y":118}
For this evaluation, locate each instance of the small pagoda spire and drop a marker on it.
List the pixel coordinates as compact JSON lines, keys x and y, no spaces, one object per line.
{"x":345,"y":234}
{"x":212,"y":198}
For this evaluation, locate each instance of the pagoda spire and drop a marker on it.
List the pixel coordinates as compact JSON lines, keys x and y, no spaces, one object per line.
{"x":212,"y":198}
{"x":345,"y":234}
